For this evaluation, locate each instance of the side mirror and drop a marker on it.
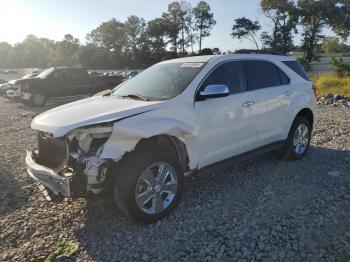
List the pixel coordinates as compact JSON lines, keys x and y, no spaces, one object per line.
{"x":214,"y":91}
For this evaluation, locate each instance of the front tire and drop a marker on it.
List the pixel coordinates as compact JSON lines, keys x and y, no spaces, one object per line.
{"x":298,"y":141}
{"x":149,"y":184}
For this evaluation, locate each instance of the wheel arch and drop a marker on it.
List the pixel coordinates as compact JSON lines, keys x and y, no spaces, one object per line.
{"x":169,"y":143}
{"x":307,"y":114}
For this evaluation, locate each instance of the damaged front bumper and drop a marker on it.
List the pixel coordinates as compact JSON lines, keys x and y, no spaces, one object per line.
{"x":66,"y":184}
{"x":25,"y":95}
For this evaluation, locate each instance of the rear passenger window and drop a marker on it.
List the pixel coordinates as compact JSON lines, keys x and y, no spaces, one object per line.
{"x":230,"y":74}
{"x":262,"y":74}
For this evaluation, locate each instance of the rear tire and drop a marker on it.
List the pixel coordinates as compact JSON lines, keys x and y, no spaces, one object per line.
{"x":149,"y":184}
{"x":298,"y":141}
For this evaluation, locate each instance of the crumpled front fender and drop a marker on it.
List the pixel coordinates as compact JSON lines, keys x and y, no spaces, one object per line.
{"x":127,"y":133}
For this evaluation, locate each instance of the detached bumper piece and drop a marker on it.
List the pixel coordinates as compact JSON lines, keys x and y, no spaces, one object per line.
{"x":12,"y":93}
{"x":64,"y":183}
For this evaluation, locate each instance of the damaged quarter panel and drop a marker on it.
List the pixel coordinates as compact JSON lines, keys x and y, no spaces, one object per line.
{"x":168,"y":120}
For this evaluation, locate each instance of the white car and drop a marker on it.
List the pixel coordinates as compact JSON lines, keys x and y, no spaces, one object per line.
{"x":171,"y":120}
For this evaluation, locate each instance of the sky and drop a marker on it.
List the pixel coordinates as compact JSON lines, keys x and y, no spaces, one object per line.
{"x":54,"y":18}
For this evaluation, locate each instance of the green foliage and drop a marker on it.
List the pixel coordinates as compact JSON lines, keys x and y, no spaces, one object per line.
{"x":332,"y":44}
{"x":246,"y":28}
{"x":315,"y":15}
{"x":305,"y":63}
{"x":5,"y":54}
{"x":110,"y":35}
{"x":135,"y":39}
{"x":174,"y":21}
{"x":340,"y":68}
{"x":63,"y":53}
{"x":117,"y":45}
{"x":204,"y":21}
{"x":284,"y":17}
{"x":62,"y":250}
{"x":207,"y":51}
{"x":332,"y":84}
{"x":156,"y":33}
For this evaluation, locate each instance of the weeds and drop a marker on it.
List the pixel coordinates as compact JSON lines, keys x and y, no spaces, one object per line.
{"x":332,"y":84}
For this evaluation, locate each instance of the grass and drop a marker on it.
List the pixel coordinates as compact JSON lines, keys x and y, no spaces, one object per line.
{"x":62,"y":250}
{"x":332,"y":84}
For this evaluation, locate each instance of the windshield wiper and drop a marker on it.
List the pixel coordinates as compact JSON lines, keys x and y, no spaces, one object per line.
{"x":136,"y":96}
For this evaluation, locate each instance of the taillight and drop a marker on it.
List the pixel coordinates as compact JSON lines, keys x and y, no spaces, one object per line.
{"x":314,"y":87}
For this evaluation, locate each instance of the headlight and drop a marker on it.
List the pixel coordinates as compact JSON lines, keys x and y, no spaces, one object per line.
{"x":24,"y":87}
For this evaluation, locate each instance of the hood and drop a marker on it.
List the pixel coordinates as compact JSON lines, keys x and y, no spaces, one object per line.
{"x":60,"y":120}
{"x":25,"y":81}
{"x":5,"y":86}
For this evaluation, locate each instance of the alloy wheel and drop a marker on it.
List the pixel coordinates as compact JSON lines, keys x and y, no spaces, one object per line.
{"x":156,"y":188}
{"x":301,"y":139}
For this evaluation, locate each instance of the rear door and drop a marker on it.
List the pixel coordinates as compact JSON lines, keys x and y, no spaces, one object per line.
{"x":227,"y":124}
{"x":80,"y":84}
{"x":273,"y":93}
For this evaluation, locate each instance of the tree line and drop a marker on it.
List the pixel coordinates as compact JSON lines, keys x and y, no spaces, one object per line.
{"x":306,"y":17}
{"x":136,"y":43}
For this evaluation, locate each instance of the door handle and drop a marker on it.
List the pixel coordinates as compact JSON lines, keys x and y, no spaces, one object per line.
{"x":248,"y":104}
{"x":288,"y":93}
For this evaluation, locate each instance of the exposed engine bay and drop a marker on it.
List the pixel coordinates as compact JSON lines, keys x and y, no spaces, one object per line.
{"x":77,"y":157}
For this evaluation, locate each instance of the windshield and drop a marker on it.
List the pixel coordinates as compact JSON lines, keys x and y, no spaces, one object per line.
{"x":161,"y":81}
{"x":44,"y":74}
{"x":29,"y":76}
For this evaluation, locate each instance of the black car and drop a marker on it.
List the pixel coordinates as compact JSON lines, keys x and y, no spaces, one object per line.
{"x":62,"y":82}
{"x":10,"y":89}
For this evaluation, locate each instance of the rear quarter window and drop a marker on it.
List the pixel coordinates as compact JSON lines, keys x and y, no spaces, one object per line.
{"x":297,"y":68}
{"x":283,"y":77}
{"x":262,"y":74}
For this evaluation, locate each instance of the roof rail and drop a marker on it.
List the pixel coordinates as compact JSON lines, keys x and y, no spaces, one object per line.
{"x":263,"y":52}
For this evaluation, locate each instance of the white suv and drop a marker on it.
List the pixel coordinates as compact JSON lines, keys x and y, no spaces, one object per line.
{"x":173,"y":119}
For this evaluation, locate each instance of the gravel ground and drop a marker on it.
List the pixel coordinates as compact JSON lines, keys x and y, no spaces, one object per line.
{"x":266,"y":209}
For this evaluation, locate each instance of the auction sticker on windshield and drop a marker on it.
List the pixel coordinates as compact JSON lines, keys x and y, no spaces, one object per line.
{"x":192,"y":65}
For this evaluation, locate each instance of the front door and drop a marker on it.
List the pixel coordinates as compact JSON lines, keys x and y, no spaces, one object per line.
{"x":227,"y":124}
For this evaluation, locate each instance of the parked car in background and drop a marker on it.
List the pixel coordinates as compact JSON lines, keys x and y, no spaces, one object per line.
{"x":8,"y":72}
{"x":11,"y":89}
{"x":175,"y":118}
{"x":93,"y":74}
{"x":128,"y":74}
{"x":4,"y":87}
{"x":62,"y":82}
{"x":132,"y":73}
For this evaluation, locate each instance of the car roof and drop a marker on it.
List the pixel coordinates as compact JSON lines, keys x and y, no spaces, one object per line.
{"x":214,"y":58}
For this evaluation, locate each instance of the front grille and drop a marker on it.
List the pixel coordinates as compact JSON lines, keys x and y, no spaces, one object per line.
{"x":52,"y":152}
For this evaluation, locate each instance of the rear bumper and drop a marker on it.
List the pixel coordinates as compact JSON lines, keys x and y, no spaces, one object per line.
{"x":67,"y":185}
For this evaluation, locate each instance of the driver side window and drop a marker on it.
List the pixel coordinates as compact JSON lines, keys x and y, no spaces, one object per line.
{"x":58,"y":75}
{"x":230,"y":74}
